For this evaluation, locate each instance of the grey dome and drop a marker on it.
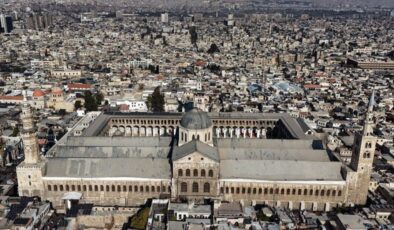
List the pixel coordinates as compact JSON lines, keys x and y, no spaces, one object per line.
{"x":195,"y":119}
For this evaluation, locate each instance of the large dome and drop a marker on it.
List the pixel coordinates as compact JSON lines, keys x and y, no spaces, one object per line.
{"x":195,"y":119}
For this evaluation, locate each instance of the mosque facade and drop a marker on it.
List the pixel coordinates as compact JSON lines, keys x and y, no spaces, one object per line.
{"x":125,"y":159}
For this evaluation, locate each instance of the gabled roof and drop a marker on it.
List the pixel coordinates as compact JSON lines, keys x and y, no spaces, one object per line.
{"x":195,"y":146}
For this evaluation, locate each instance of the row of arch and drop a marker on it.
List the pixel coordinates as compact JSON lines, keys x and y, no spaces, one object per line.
{"x":184,"y":137}
{"x":195,"y":173}
{"x":145,"y":121}
{"x":120,"y":130}
{"x":244,"y":122}
{"x":281,"y":191}
{"x":109,"y":188}
{"x":195,"y":187}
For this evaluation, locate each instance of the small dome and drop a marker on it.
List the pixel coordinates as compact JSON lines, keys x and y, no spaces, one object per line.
{"x":38,"y":93}
{"x":195,"y":119}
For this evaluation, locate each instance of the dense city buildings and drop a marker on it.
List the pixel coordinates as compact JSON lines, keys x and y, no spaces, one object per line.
{"x":196,"y":115}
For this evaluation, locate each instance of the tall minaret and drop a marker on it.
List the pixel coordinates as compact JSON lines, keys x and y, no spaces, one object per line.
{"x":29,"y":134}
{"x":362,"y":158}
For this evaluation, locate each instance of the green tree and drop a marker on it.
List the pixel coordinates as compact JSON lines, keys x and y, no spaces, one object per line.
{"x":99,"y":98}
{"x":15,"y":132}
{"x":193,"y":35}
{"x":213,"y":49}
{"x":90,"y":102}
{"x":77,"y":105}
{"x":155,"y":101}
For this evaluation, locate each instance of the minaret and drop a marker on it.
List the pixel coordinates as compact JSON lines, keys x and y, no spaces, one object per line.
{"x":362,"y":159}
{"x":29,"y":134}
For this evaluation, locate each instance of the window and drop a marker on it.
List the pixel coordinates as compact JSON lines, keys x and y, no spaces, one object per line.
{"x":141,"y":188}
{"x":55,"y":188}
{"x":299,"y":191}
{"x":328,"y":192}
{"x":339,"y":193}
{"x":158,"y":188}
{"x":243,"y":190}
{"x":101,"y":188}
{"x":254,"y":190}
{"x":195,"y":172}
{"x":113,"y":188}
{"x":72,"y":187}
{"x":130,"y":188}
{"x":79,"y":188}
{"x":294,"y":191}
{"x":96,"y":188}
{"x":260,"y":190}
{"x":124,"y":188}
{"x":187,"y":172}
{"x":107,"y":188}
{"x":207,"y":188}
{"x":146,"y":188}
{"x":316,"y":192}
{"x":195,"y":187}
{"x":282,"y":191}
{"x":49,"y":188}
{"x":210,"y":173}
{"x":334,"y":192}
{"x":203,"y":172}
{"x":249,"y":190}
{"x":238,"y":190}
{"x":135,"y":188}
{"x":227,"y":191}
{"x":67,"y":187}
{"x":61,"y":188}
{"x":183,"y":187}
{"x":180,"y":172}
{"x":322,"y":192}
{"x":305,"y":192}
{"x":232,"y":190}
{"x":271,"y":191}
{"x":90,"y":188}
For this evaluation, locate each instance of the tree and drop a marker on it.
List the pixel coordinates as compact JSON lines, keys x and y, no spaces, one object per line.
{"x":90,"y":102}
{"x":193,"y":35}
{"x":77,"y":105}
{"x":155,"y":101}
{"x":213,"y":49}
{"x":15,"y":132}
{"x":99,"y":98}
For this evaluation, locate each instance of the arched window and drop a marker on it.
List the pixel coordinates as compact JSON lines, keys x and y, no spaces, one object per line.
{"x":183,"y":187}
{"x":180,"y":172}
{"x":146,"y":188}
{"x":195,"y":187}
{"x":49,"y":187}
{"x":282,"y":191}
{"x":260,"y":190}
{"x":254,"y":190}
{"x":158,"y":188}
{"x":152,"y":188}
{"x":84,"y":188}
{"x":334,"y":192}
{"x":207,"y":188}
{"x":205,"y":137}
{"x":328,"y":192}
{"x":237,"y":190}
{"x":61,"y":188}
{"x":209,"y":136}
{"x":124,"y":188}
{"x":322,"y":192}
{"x":299,"y":191}
{"x":288,"y":191}
{"x":193,"y":137}
{"x":101,"y":188}
{"x":55,"y":188}
{"x":249,"y":190}
{"x":141,"y":188}
{"x":113,"y":188}
{"x":339,"y":193}
{"x":203,"y":172}
{"x":67,"y":187}
{"x":90,"y":188}
{"x":198,"y":137}
{"x":271,"y":191}
{"x":187,"y":172}
{"x":96,"y":188}
{"x":72,"y":187}
{"x":311,"y":192}
{"x":135,"y":188}
{"x":232,"y":190}
{"x":305,"y":192}
{"x":210,"y":173}
{"x":195,"y":172}
{"x":119,"y":188}
{"x":107,"y":188}
{"x":185,"y":137}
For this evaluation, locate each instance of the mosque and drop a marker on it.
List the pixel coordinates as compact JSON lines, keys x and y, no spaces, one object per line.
{"x":126,"y":158}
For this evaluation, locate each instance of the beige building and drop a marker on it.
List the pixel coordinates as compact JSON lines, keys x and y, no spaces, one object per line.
{"x":125,"y":159}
